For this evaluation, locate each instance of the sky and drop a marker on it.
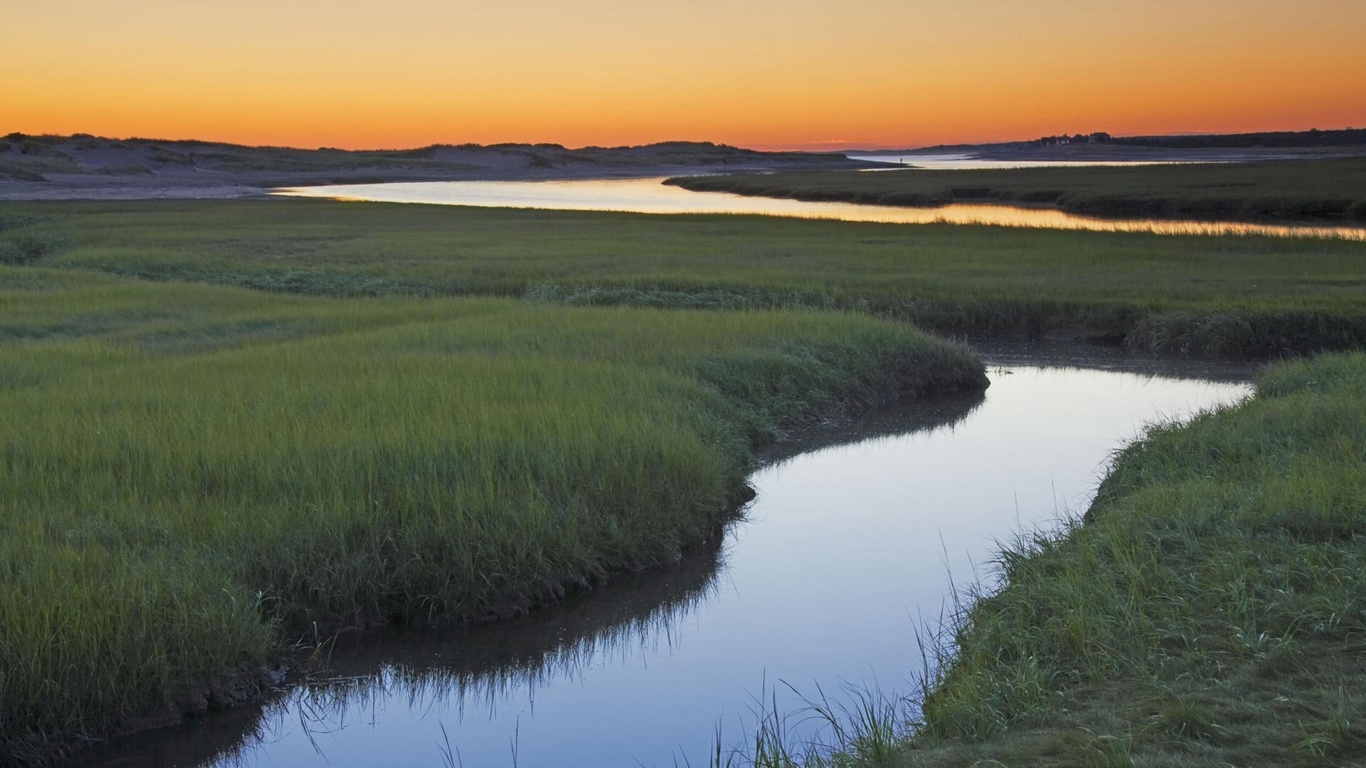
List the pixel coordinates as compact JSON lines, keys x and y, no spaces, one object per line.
{"x":755,"y":73}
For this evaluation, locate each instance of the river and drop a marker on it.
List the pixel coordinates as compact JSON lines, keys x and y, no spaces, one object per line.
{"x":858,"y":538}
{"x":651,"y":195}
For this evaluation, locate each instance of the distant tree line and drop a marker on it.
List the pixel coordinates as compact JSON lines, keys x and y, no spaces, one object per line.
{"x":1311,"y":138}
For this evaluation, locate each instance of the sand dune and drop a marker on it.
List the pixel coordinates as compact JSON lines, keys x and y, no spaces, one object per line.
{"x":89,"y":167}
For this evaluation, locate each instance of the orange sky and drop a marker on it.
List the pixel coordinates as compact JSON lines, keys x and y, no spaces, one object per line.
{"x":757,"y":73}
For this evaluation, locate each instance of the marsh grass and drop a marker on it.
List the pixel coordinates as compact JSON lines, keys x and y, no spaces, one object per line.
{"x":854,"y":727}
{"x":1229,"y":295}
{"x":23,"y":242}
{"x":191,"y":475}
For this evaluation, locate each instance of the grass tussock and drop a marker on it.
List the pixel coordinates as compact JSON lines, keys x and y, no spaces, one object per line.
{"x":1302,"y":190}
{"x":191,"y":475}
{"x":1225,"y":296}
{"x":22,"y":243}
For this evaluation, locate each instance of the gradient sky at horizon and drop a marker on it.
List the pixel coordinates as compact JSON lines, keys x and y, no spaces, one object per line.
{"x":755,"y":73}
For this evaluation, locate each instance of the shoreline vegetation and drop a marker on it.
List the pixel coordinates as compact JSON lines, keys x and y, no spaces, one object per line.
{"x":284,"y":412}
{"x":1209,"y":610}
{"x":1309,"y":190}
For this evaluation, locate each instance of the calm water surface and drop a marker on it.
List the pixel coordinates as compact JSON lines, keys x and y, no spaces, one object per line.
{"x":959,"y":162}
{"x":852,"y":542}
{"x":651,"y":195}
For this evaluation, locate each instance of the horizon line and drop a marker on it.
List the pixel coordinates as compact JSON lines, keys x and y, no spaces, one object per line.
{"x":811,"y":147}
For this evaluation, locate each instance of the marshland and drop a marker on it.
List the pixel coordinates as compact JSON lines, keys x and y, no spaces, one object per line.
{"x":235,"y":428}
{"x":1326,"y":189}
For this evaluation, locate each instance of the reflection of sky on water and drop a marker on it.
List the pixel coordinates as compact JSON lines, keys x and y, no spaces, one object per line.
{"x":845,"y":549}
{"x":651,"y":196}
{"x":956,"y":162}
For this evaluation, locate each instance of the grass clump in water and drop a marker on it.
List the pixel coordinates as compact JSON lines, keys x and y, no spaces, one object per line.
{"x":192,"y":475}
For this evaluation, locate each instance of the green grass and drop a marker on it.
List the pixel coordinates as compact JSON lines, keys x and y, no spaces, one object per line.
{"x":1210,"y":611}
{"x":384,"y":429}
{"x":1203,"y":295}
{"x":1332,"y":189}
{"x":191,"y":475}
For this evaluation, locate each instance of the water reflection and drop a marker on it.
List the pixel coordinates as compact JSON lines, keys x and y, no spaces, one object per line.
{"x":650,"y":195}
{"x":923,"y":416}
{"x":392,"y":676}
{"x":962,"y":162}
{"x":847,"y":544}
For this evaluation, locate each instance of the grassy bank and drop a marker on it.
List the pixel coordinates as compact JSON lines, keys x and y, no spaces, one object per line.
{"x":190,"y":475}
{"x":1214,"y":295}
{"x":1210,"y":611}
{"x":1309,"y":190}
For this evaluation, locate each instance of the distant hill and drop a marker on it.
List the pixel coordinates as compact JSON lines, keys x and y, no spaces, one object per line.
{"x":1346,"y":137}
{"x":1099,"y":144}
{"x":1269,"y":140}
{"x":63,"y":165}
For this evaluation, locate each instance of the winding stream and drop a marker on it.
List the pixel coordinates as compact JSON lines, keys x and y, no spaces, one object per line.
{"x":650,"y":195}
{"x":854,"y":540}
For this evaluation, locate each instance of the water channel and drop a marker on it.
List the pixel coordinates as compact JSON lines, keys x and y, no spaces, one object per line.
{"x":651,"y":195}
{"x":951,"y":161}
{"x":856,"y":538}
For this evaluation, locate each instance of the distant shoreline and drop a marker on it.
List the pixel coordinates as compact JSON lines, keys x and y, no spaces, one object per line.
{"x":53,"y":168}
{"x":1103,"y":153}
{"x":1318,"y":190}
{"x":1102,"y":147}
{"x":91,"y":168}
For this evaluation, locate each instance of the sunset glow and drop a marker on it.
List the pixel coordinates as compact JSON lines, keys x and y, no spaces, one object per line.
{"x":755,"y":73}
